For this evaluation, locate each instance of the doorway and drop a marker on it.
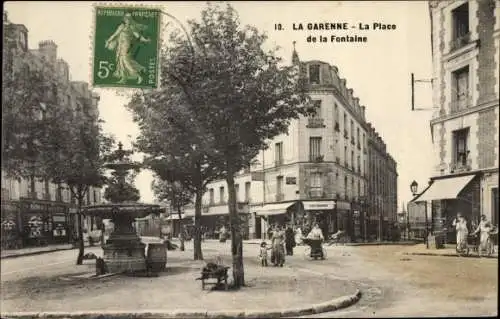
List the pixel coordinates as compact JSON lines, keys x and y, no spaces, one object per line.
{"x":258,"y":227}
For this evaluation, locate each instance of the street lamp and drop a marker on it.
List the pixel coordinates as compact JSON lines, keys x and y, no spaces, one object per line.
{"x":414,"y":191}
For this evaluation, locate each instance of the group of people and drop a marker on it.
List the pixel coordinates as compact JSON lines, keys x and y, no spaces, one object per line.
{"x":484,"y":229}
{"x":283,"y":241}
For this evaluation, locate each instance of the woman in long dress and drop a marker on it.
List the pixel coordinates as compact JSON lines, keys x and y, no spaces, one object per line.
{"x":121,"y":41}
{"x":278,"y":249}
{"x":484,"y":230}
{"x":460,"y":225}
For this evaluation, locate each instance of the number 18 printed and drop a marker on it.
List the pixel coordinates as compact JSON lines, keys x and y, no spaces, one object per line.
{"x":126,"y":42}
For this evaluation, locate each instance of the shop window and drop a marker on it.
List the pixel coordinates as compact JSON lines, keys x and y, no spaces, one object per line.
{"x":247,"y":191}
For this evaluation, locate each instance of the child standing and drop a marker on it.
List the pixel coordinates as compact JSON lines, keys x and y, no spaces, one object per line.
{"x":263,"y":253}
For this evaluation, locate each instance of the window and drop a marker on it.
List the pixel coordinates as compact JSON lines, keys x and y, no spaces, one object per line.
{"x":460,"y":89}
{"x":345,"y":188}
{"x":247,"y":191}
{"x":316,"y":180}
{"x":96,"y":196}
{"x":461,"y":153}
{"x":212,"y":198}
{"x":357,"y":138}
{"x":314,"y":74}
{"x":460,"y":26}
{"x":314,"y":148}
{"x":345,"y":155}
{"x":88,"y":197}
{"x":317,"y":107}
{"x":359,"y":188}
{"x":345,"y":126}
{"x":279,"y":188}
{"x":237,"y":191}
{"x":359,"y":164}
{"x":352,"y":187}
{"x":222,"y":195}
{"x":352,"y":160}
{"x":352,"y":128}
{"x":337,"y":128}
{"x":278,"y":153}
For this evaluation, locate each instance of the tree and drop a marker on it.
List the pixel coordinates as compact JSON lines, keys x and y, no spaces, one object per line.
{"x":236,"y":94}
{"x":177,"y":196}
{"x":30,"y":114}
{"x":177,"y":148}
{"x":78,"y":159}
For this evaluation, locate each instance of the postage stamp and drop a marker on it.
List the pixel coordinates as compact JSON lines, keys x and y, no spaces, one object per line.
{"x":126,"y":47}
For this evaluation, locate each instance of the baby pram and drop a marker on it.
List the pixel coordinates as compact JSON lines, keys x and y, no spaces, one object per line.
{"x":315,"y":249}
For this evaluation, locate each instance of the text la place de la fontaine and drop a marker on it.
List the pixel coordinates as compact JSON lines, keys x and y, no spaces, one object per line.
{"x":337,"y":26}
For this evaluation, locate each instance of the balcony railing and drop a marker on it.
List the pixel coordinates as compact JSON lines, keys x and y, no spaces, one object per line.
{"x":458,"y":167}
{"x":316,"y":192}
{"x":460,"y":42}
{"x":462,"y":103}
{"x":337,"y":127}
{"x":316,"y":158}
{"x":315,"y":122}
{"x":280,"y":197}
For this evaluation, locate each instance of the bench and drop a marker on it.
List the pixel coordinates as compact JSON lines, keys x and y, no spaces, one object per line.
{"x":219,"y":274}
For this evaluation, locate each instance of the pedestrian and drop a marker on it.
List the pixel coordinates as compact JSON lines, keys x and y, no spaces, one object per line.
{"x":484,"y":230}
{"x":289,"y":240}
{"x":298,"y":236}
{"x":278,"y":251}
{"x":460,"y":225}
{"x":263,"y":253}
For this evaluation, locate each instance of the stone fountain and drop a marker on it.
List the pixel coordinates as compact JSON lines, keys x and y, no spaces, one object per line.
{"x":123,"y":251}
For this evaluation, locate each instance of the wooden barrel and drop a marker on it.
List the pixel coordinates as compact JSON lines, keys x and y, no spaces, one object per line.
{"x":157,"y":256}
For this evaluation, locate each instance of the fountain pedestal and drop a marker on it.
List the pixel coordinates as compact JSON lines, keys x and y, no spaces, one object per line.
{"x":124,"y":252}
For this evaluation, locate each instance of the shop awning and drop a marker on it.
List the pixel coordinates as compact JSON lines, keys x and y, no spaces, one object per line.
{"x":447,"y":188}
{"x":272,"y":209}
{"x":319,"y":205}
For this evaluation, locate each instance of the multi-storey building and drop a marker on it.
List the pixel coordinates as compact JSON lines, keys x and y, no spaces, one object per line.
{"x":318,"y":172}
{"x":465,"y":129}
{"x":31,"y":202}
{"x":382,"y":189}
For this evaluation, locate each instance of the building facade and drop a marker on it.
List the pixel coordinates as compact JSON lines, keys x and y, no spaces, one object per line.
{"x":465,"y":129}
{"x":318,"y":172}
{"x":37,"y":211}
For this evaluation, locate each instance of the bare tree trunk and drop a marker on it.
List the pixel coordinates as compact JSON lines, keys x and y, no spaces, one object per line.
{"x":198,"y":254}
{"x":181,"y":230}
{"x":81,"y":243}
{"x":236,"y":234}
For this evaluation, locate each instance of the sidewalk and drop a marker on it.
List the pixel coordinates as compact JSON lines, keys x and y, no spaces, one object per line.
{"x":270,"y":292}
{"x":29,"y":251}
{"x":258,"y":241}
{"x":448,"y":251}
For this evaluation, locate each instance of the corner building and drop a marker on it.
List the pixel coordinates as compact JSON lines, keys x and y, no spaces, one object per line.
{"x":318,"y":172}
{"x":465,"y":129}
{"x":25,"y":201}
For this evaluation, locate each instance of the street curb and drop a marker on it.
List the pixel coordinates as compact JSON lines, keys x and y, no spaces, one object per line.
{"x":359,"y":244}
{"x":335,"y":304}
{"x":449,"y":255}
{"x":34,"y":253}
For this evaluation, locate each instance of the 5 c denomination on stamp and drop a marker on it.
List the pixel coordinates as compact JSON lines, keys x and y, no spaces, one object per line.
{"x":126,"y":45}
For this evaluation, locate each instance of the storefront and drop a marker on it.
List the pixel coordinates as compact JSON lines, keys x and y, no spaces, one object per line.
{"x":44,"y":223}
{"x":448,"y":196}
{"x":344,"y":218}
{"x":11,"y":225}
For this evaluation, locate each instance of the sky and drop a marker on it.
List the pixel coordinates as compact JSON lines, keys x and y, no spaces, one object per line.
{"x":378,"y":71}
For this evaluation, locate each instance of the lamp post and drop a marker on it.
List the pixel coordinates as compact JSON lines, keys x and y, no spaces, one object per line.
{"x":414,"y":191}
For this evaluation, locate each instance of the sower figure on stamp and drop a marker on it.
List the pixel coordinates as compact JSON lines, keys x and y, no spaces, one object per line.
{"x":122,"y":41}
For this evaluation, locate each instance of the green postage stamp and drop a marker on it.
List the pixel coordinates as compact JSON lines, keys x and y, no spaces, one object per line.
{"x":126,"y":45}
